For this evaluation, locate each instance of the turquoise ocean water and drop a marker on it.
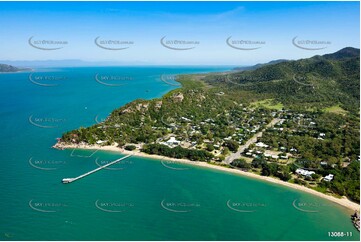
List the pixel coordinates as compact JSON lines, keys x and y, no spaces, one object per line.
{"x":138,"y":199}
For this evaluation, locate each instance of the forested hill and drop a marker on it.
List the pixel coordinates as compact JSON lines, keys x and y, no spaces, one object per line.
{"x":248,"y":68}
{"x":313,"y":83}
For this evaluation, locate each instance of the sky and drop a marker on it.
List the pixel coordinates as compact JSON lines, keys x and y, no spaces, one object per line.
{"x":265,"y":29}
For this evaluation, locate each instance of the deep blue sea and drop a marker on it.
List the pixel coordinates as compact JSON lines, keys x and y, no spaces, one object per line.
{"x":138,"y":199}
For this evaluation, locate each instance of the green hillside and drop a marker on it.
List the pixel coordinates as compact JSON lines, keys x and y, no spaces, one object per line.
{"x":314,"y":83}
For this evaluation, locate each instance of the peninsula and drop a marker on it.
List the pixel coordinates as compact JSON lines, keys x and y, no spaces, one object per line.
{"x":294,"y":123}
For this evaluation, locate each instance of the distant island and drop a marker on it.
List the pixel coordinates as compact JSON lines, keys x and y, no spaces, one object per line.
{"x":10,"y":68}
{"x":295,"y":122}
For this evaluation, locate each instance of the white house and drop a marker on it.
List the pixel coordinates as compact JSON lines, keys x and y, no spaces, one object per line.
{"x":328,"y":178}
{"x":304,"y":172}
{"x":300,"y":171}
{"x":172,"y":141}
{"x":262,"y":145}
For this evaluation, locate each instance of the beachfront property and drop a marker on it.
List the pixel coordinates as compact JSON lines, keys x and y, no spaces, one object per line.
{"x":193,"y":132}
{"x":328,"y":178}
{"x":172,"y":142}
{"x":305,"y":172}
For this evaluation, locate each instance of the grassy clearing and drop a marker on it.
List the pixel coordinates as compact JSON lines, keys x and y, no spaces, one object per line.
{"x":268,"y":103}
{"x":335,"y":109}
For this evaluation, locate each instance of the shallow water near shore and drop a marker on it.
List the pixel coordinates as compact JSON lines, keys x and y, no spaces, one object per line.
{"x":139,"y":198}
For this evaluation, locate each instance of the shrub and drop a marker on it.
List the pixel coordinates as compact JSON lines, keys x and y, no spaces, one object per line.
{"x":130,"y":147}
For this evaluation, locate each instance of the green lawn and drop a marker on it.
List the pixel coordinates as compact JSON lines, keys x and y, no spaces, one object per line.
{"x":268,"y":103}
{"x":335,"y":109}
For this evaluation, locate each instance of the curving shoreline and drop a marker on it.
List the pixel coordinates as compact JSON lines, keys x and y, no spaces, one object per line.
{"x":341,"y":201}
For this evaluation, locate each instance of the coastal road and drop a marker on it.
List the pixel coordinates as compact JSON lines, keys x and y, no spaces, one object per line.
{"x":252,"y":140}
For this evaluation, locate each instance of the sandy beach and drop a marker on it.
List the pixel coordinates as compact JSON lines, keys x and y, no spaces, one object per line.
{"x":341,"y":201}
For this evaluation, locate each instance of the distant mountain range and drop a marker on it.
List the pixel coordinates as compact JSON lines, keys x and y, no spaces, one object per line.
{"x":10,"y":68}
{"x":66,"y":63}
{"x":57,"y":63}
{"x":347,"y":52}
